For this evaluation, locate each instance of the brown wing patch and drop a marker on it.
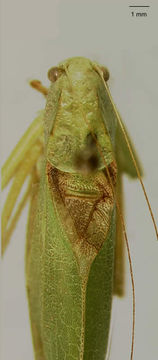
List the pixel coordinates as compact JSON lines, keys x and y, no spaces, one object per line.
{"x":88,"y":201}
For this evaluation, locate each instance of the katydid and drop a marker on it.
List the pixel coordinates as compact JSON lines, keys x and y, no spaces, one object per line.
{"x":75,"y":154}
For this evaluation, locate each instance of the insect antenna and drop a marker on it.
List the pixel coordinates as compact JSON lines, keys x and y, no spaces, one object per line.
{"x":131,"y":152}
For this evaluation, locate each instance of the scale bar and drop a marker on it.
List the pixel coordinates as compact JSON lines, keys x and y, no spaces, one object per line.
{"x":143,"y":6}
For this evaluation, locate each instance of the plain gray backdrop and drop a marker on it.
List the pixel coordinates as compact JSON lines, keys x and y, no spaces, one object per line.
{"x":36,"y":35}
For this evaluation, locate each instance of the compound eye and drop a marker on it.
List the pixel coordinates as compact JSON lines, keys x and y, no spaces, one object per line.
{"x":54,"y":73}
{"x":106,"y":74}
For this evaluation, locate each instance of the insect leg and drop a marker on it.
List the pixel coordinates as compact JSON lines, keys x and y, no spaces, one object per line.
{"x":21,"y":174}
{"x":18,"y":155}
{"x":37,"y":85}
{"x":16,"y":216}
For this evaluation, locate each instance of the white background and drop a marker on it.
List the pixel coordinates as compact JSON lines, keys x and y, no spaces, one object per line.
{"x":36,"y":35}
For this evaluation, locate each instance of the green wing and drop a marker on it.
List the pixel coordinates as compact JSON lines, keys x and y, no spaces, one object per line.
{"x":124,"y":160}
{"x":125,"y":166}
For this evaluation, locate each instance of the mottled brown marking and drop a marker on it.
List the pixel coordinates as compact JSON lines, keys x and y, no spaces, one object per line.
{"x":88,"y":201}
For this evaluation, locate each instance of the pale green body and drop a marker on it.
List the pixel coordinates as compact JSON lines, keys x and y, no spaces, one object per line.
{"x":72,"y":220}
{"x":62,"y":318}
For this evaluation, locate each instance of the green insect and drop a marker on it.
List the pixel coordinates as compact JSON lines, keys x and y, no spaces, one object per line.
{"x":74,"y":154}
